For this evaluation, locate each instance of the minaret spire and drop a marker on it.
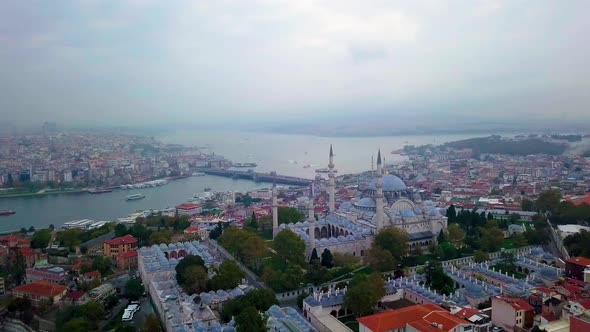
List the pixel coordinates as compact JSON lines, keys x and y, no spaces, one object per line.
{"x":331,"y":183}
{"x":379,"y":194}
{"x":311,"y":218}
{"x":275,"y":211}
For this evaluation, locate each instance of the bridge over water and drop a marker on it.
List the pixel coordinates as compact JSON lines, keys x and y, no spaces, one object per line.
{"x":262,"y":177}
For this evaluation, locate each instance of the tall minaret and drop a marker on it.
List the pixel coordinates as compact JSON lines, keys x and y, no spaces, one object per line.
{"x":379,"y":194}
{"x":275,"y":211}
{"x":331,"y":183}
{"x":311,"y":218}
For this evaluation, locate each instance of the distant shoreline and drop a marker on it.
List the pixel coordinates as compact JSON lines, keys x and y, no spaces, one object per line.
{"x":45,"y":193}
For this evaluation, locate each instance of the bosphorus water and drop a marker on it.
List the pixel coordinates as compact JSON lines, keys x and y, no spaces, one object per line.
{"x":285,"y":154}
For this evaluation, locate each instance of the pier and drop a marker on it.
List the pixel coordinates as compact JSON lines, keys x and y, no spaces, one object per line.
{"x":262,"y":177}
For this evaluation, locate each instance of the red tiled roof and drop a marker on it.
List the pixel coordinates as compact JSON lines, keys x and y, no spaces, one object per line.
{"x":127,"y":239}
{"x":421,"y":316}
{"x":129,"y":254}
{"x":41,"y":289}
{"x":583,"y":261}
{"x":517,"y":304}
{"x":76,"y":295}
{"x":187,"y":206}
{"x":192,"y":229}
{"x":549,"y":316}
{"x":582,"y":200}
{"x":467,"y":312}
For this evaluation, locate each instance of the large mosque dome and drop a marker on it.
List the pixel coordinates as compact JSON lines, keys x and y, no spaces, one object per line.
{"x":390,"y":183}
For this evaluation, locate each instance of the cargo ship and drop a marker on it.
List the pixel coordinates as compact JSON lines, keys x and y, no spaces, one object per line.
{"x":99,"y":191}
{"x":135,"y":197}
{"x":7,"y":212}
{"x":244,"y":165}
{"x":325,"y":170}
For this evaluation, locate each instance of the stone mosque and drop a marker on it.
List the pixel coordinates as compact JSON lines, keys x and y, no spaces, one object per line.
{"x":387,"y":202}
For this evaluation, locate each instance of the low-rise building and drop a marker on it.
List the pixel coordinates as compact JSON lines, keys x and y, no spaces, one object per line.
{"x":49,"y":273}
{"x":201,"y":232}
{"x":188,"y":209}
{"x":127,"y":260}
{"x":419,"y":317}
{"x":115,"y":247}
{"x":77,"y":298}
{"x":575,"y":267}
{"x":510,"y":313}
{"x":41,"y":292}
{"x":102,"y":292}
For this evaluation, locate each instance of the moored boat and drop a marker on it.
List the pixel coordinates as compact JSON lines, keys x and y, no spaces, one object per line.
{"x":7,"y":212}
{"x":135,"y":197}
{"x":99,"y":191}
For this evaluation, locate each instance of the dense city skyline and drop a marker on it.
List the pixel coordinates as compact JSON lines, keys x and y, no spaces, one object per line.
{"x":144,"y":62}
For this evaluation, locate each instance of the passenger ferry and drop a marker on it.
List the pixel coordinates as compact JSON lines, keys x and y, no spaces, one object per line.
{"x":244,"y":165}
{"x":135,"y":197}
{"x":325,"y":170}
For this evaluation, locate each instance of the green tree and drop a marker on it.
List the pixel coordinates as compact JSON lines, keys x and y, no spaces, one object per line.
{"x":152,"y":324}
{"x":314,"y":256}
{"x":252,"y":223}
{"x":548,"y":200}
{"x":91,"y":311}
{"x":289,"y":247}
{"x":345,"y":259}
{"x":480,"y":256}
{"x":363,"y":293}
{"x":261,"y":299}
{"x":228,"y":276}
{"x":514,"y":217}
{"x":456,"y":235}
{"x":134,"y":289}
{"x":77,"y":325}
{"x":451,"y":213}
{"x":527,"y":204}
{"x":437,"y":278}
{"x":253,"y":251}
{"x":519,"y":240}
{"x":184,"y":264}
{"x":120,"y":230}
{"x":492,"y":237}
{"x":195,"y":279}
{"x":327,"y":259}
{"x":289,"y":215}
{"x":393,"y":240}
{"x":490,"y":216}
{"x":51,"y":227}
{"x":124,"y":328}
{"x":102,"y":264}
{"x":250,"y":320}
{"x":41,"y":239}
{"x":380,"y":259}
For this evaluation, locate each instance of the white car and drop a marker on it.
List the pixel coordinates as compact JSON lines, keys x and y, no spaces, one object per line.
{"x":127,"y":316}
{"x":133,"y":307}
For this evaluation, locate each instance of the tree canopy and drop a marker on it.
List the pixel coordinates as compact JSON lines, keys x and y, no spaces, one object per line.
{"x":250,"y":320}
{"x":289,"y":247}
{"x":41,"y":239}
{"x":134,"y":289}
{"x":228,"y":276}
{"x":184,"y":264}
{"x":364,"y":292}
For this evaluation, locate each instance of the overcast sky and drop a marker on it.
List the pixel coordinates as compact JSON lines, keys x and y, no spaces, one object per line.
{"x":149,"y":62}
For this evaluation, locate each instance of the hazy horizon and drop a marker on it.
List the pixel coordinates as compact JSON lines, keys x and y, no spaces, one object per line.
{"x":298,"y":66}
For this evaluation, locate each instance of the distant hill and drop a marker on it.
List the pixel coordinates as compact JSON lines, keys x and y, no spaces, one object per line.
{"x":498,"y":145}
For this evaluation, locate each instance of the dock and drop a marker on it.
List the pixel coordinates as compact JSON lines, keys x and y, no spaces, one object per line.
{"x":262,"y":177}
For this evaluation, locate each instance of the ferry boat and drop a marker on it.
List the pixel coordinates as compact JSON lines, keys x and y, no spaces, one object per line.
{"x":244,"y":165}
{"x":99,"y":191}
{"x":207,"y":189}
{"x":135,"y":197}
{"x":7,"y":212}
{"x":325,"y":170}
{"x":198,"y":174}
